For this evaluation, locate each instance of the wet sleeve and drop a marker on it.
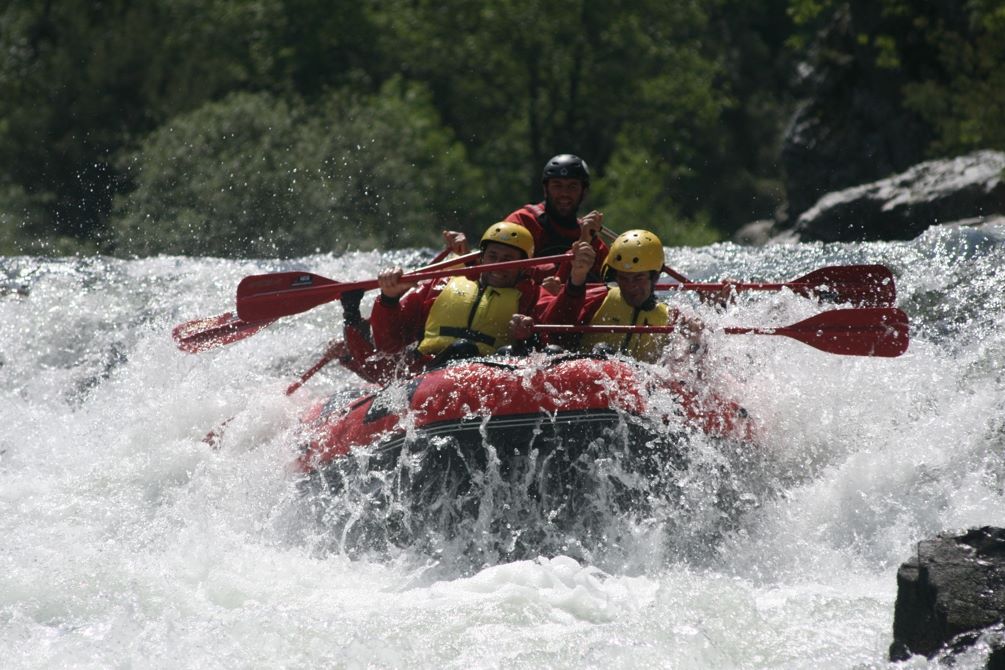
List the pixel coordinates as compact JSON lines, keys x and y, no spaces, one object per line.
{"x":601,"y":249}
{"x":566,"y":306}
{"x":397,"y":322}
{"x":526,"y":218}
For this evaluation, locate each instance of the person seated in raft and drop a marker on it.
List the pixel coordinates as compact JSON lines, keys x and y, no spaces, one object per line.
{"x":555,"y":222}
{"x":356,"y":352}
{"x":634,"y":263}
{"x":456,"y":317}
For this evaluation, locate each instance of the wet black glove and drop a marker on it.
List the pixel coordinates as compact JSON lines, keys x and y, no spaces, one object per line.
{"x":350,"y":307}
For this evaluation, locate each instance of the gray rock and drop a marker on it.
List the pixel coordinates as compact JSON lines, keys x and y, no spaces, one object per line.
{"x":950,"y":594}
{"x":905,"y":205}
{"x":754,"y":234}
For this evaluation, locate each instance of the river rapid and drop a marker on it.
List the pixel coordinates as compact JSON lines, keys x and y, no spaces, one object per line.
{"x":127,"y":542}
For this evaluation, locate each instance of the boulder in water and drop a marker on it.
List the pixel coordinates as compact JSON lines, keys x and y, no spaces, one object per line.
{"x":951,"y":594}
{"x":903,"y":206}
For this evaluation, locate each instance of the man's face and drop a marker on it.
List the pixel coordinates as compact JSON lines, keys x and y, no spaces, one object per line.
{"x":499,"y":253}
{"x":635,"y":287}
{"x":564,"y":195}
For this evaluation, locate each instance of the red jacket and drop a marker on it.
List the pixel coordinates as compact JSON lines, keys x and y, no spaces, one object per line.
{"x":398,"y":323}
{"x":552,"y":236}
{"x":575,"y":305}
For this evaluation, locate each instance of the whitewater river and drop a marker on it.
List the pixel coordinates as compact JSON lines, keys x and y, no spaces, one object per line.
{"x":126,"y":542}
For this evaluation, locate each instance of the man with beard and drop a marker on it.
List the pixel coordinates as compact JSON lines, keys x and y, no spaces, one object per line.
{"x":554,"y":222}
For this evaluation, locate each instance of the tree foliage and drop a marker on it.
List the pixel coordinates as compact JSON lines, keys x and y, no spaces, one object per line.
{"x":256,"y":175}
{"x":948,"y":57}
{"x":269,"y":127}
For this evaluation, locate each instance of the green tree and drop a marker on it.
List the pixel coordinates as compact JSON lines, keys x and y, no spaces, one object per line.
{"x":964,"y":100}
{"x":699,"y":87}
{"x":82,"y":83}
{"x":80,"y":80}
{"x":634,"y":188}
{"x":23,"y":227}
{"x":562,"y":77}
{"x":396,"y":175}
{"x":220,"y":180}
{"x":254,"y":175}
{"x":946,"y":60}
{"x":383,"y":109}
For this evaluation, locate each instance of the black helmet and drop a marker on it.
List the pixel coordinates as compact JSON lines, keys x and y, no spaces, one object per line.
{"x":567,"y":166}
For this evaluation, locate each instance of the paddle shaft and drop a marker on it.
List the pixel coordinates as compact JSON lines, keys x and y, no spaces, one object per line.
{"x":851,"y":332}
{"x":271,"y":296}
{"x":336,"y":348}
{"x":475,"y":270}
{"x":440,"y":261}
{"x":865,"y":285}
{"x":740,"y":286}
{"x":333,"y":351}
{"x":200,"y":335}
{"x":601,"y":328}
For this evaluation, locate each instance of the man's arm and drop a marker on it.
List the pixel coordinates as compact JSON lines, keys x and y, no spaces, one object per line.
{"x":398,"y":316}
{"x":566,"y":306}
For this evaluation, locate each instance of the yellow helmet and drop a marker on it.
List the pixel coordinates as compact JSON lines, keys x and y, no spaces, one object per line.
{"x":635,"y":251}
{"x":511,"y":234}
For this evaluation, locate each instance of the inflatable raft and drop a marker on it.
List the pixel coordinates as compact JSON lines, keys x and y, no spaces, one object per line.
{"x":527,"y":443}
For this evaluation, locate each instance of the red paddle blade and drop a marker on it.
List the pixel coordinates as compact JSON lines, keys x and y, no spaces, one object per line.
{"x":214,"y":437}
{"x":215,"y":331}
{"x":875,"y":331}
{"x":270,"y":296}
{"x":865,"y":285}
{"x":277,"y":294}
{"x":862,"y":285}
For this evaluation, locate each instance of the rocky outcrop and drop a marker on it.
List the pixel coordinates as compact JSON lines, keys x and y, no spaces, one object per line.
{"x":905,"y":205}
{"x":755,"y":233}
{"x":863,"y":143}
{"x":951,"y":594}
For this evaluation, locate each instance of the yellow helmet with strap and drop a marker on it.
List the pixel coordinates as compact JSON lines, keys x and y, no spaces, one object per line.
{"x":635,"y":251}
{"x":511,"y":234}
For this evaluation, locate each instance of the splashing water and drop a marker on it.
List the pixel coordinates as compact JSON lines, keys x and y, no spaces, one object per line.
{"x":128,"y":542}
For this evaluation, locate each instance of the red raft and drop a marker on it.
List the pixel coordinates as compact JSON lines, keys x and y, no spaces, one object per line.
{"x":510,"y":457}
{"x":518,"y":404}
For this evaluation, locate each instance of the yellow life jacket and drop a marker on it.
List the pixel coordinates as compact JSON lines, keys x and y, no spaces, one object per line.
{"x":465,"y":309}
{"x":614,"y":310}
